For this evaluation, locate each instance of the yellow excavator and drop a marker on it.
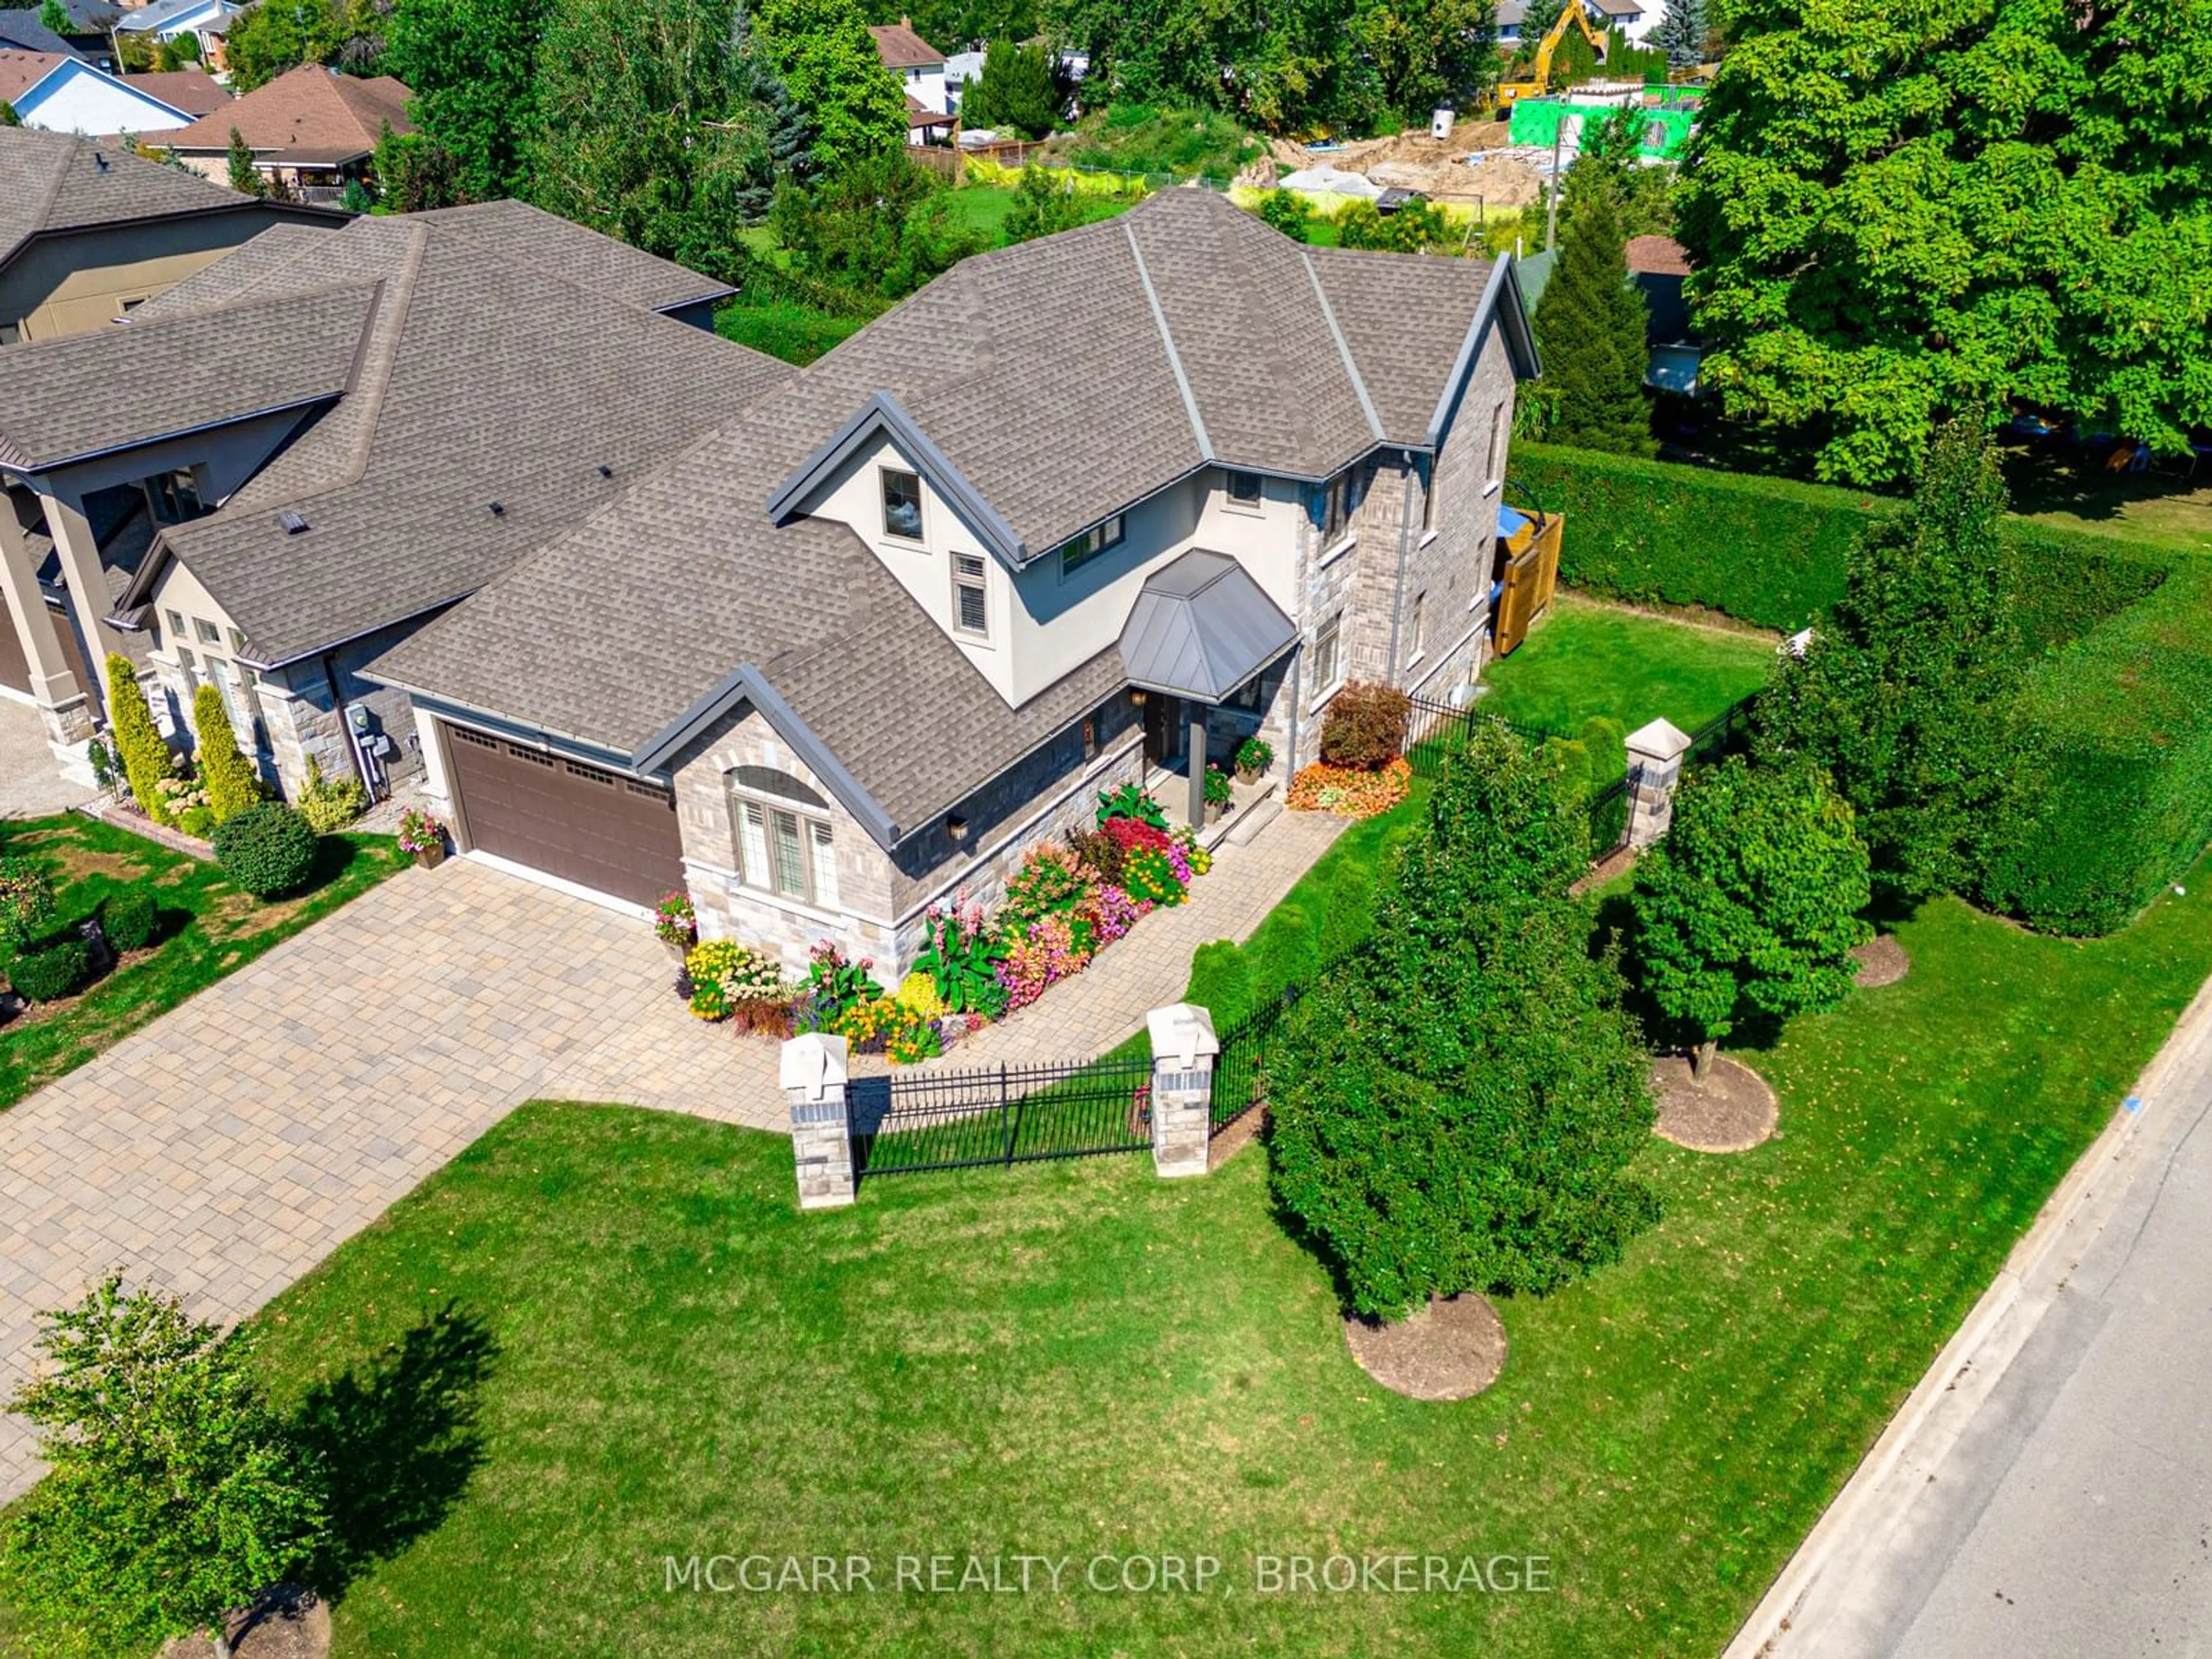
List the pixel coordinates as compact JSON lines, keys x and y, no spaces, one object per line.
{"x":1539,"y":80}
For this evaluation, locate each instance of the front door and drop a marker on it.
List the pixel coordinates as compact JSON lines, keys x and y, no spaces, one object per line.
{"x":1163,"y":729}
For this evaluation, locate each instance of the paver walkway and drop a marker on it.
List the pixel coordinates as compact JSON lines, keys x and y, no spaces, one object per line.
{"x":231,"y":1145}
{"x":30,"y":785}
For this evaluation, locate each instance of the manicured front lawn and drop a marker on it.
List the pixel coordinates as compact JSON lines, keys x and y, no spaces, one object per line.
{"x":1588,"y":659}
{"x":642,"y":1351}
{"x":207,"y":928}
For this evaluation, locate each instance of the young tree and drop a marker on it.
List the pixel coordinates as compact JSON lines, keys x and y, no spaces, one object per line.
{"x":137,"y":741}
{"x":1289,"y":212}
{"x":470,"y":64}
{"x":54,"y":16}
{"x":1681,"y":33}
{"x":1590,"y":327}
{"x":174,"y":1495}
{"x":245,"y":177}
{"x":1457,"y":1102}
{"x":1886,"y":206}
{"x":1750,"y":906}
{"x":1021,"y":88}
{"x":227,"y":776}
{"x":1905,"y":694}
{"x":822,"y":51}
{"x":414,"y":173}
{"x":8,"y":116}
{"x":878,"y":225}
{"x":1044,"y":202}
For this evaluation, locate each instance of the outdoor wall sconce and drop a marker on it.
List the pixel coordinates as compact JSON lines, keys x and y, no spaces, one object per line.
{"x":956,"y":827}
{"x":1136,"y":697}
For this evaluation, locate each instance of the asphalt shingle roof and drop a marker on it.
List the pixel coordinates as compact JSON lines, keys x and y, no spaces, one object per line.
{"x":1043,"y":374}
{"x":307,"y":114}
{"x":901,"y":48}
{"x":54,"y":181}
{"x":22,"y":30}
{"x":194,"y":91}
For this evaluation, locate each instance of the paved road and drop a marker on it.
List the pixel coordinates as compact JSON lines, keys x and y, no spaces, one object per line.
{"x":2071,"y":1516}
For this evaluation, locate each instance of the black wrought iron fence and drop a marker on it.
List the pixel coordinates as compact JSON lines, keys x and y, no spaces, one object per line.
{"x":1437,"y":732}
{"x":1002,"y":1115}
{"x":1240,"y":1070}
{"x":1728,"y":734}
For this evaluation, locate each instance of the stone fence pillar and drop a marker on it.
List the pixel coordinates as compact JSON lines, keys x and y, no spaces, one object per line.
{"x":1184,"y":1051}
{"x":1654,"y":767}
{"x":813,"y":1071}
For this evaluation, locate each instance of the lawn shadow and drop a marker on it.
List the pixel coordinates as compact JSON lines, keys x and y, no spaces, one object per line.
{"x":399,"y":1436}
{"x":334,"y":856}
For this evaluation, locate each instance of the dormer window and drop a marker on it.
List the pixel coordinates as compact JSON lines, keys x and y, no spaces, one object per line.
{"x":901,"y":505}
{"x":1074,"y":555}
{"x":970,"y":609}
{"x":1244,"y":488}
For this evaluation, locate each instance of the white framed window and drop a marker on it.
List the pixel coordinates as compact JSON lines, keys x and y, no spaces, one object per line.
{"x":1498,"y":430}
{"x":1416,"y":622}
{"x":1430,"y":484}
{"x":191,"y":669}
{"x":1325,"y":654}
{"x":786,"y":844}
{"x":176,"y":625}
{"x":971,"y":611}
{"x":902,"y":504}
{"x":1080,"y":551}
{"x":208,"y":632}
{"x":1243,"y":488}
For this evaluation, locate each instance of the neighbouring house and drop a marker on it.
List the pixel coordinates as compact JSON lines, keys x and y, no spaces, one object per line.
{"x":960,"y":68}
{"x":86,"y":33}
{"x":192,"y":90}
{"x":1084,"y":511}
{"x":166,"y":20}
{"x":927,"y":126}
{"x":286,"y":463}
{"x":89,"y":231}
{"x":22,"y":30}
{"x":1656,"y":268}
{"x":311,"y":130}
{"x":918,"y":66}
{"x":61,"y":92}
{"x":1631,"y":19}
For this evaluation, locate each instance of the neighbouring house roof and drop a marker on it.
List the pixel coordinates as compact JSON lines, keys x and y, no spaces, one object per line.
{"x":919,"y":114}
{"x":1510,"y":13}
{"x":55,"y":182}
{"x":1617,"y":8}
{"x":21,"y":31}
{"x":310,"y":114}
{"x":1656,"y":256}
{"x":22,"y":70}
{"x":505,"y":356}
{"x":61,"y":401}
{"x":195,"y":92}
{"x":159,"y":13}
{"x":1048,"y":385}
{"x":901,"y":48}
{"x":1201,"y":627}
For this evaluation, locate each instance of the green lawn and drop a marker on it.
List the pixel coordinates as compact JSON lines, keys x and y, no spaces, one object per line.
{"x":207,"y":928}
{"x":984,"y":208}
{"x":613,"y":1329}
{"x":798,"y":334}
{"x":1588,"y":659}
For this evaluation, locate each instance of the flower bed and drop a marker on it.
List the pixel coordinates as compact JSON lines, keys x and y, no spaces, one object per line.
{"x":1067,"y":902}
{"x":1348,"y":793}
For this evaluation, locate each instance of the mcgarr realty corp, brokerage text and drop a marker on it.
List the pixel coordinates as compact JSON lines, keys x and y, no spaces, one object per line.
{"x":1405,"y":1574}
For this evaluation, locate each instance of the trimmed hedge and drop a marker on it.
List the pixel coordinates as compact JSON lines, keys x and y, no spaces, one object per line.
{"x":267,"y":849}
{"x":2116,"y":794}
{"x":1772,"y":551}
{"x":51,"y":969}
{"x":130,"y":917}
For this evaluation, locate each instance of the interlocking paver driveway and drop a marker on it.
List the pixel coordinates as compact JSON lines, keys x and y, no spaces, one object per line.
{"x":232,"y":1144}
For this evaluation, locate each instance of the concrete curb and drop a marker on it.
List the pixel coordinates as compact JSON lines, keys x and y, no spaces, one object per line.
{"x":1872,"y":1504}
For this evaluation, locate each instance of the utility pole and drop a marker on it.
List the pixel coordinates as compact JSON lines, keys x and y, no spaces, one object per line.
{"x":1552,"y":216}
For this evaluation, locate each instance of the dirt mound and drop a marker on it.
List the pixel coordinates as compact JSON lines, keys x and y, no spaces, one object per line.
{"x":1450,"y":1350}
{"x":1882,"y":961}
{"x":1730,"y":1109}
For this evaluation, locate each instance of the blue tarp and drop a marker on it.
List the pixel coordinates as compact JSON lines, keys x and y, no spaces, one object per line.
{"x":1510,"y":523}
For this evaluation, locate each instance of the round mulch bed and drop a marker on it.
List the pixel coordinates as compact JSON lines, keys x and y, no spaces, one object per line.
{"x":1450,"y":1350}
{"x":287,"y":1623}
{"x":1731,"y":1109}
{"x":1882,"y":961}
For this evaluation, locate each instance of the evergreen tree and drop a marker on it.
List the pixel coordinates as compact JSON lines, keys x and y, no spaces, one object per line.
{"x":1457,"y":1102}
{"x":1021,"y":88}
{"x":1680,"y":34}
{"x":227,"y":776}
{"x":1750,"y":906}
{"x":788,"y":154}
{"x":174,"y":1494}
{"x":1905,"y":694}
{"x":245,"y":177}
{"x":1590,"y":328}
{"x":139,"y":742}
{"x":8,"y":116}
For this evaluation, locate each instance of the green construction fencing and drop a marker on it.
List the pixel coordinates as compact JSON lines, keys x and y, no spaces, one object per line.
{"x":1536,"y":121}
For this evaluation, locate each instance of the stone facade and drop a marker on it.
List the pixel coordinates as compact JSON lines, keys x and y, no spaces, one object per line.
{"x":812,"y":1070}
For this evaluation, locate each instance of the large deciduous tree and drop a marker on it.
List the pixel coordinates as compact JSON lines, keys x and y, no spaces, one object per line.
{"x":1457,"y":1102}
{"x":471,"y":65}
{"x":1590,"y":327}
{"x":1903,"y":209}
{"x":1750,"y":906}
{"x":265,"y":39}
{"x":1427,"y":52}
{"x":1905,"y":694}
{"x":826,"y":59}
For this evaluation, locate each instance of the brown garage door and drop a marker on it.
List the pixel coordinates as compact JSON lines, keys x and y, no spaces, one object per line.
{"x":595,"y":827}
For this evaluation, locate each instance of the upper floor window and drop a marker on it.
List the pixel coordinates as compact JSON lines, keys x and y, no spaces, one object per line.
{"x":786,"y":844}
{"x":176,"y":625}
{"x":1499,"y":426}
{"x":11,"y":334}
{"x":901,"y":505}
{"x":1335,"y":508}
{"x":209,"y":633}
{"x":1078,"y":552}
{"x":970,"y":612}
{"x":175,"y":496}
{"x":1243,"y":488}
{"x":1325,"y":654}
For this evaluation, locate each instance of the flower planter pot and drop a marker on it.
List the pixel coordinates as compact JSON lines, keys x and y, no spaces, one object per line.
{"x":677,"y":948}
{"x":1248,"y":775}
{"x":1215,"y":810}
{"x":430,"y":857}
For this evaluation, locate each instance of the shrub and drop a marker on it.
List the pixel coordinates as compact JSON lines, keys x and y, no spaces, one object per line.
{"x":130,"y":917}
{"x":1100,"y":853}
{"x":267,"y":849}
{"x":1221,"y":982}
{"x":1365,"y":728}
{"x":1050,"y":881}
{"x":1130,"y":802}
{"x":44,"y":972}
{"x":330,"y":805}
{"x":1353,"y":795}
{"x":1604,"y":741}
{"x":198,"y":822}
{"x":1288,"y":212}
{"x":27,"y":910}
{"x":145,"y":756}
{"x":226,"y":774}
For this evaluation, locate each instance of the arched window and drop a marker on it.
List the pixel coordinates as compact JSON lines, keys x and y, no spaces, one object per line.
{"x":784,"y":843}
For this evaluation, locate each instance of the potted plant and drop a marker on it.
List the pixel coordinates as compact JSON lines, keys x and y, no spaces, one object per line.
{"x":675,"y":924}
{"x":1253,"y":756}
{"x":1217,"y":793}
{"x":422,"y":836}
